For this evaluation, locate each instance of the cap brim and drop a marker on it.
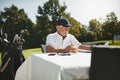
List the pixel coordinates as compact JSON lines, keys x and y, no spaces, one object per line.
{"x":68,"y":25}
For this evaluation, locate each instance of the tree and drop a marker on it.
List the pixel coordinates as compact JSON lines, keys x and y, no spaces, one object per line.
{"x":110,"y":26}
{"x":15,"y":20}
{"x":86,"y":35}
{"x":95,"y":27}
{"x":118,"y":27}
{"x":47,"y":17}
{"x":75,"y":29}
{"x":83,"y":34}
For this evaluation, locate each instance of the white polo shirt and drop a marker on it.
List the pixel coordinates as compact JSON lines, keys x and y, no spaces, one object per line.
{"x":57,"y":41}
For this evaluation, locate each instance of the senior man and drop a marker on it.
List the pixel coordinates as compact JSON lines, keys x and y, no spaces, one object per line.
{"x":63,"y":42}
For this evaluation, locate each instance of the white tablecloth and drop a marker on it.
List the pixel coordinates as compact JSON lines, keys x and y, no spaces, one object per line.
{"x":44,"y":67}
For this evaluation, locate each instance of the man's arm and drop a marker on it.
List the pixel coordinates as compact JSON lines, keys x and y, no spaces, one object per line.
{"x":68,"y":49}
{"x":86,"y":47}
{"x":49,"y":48}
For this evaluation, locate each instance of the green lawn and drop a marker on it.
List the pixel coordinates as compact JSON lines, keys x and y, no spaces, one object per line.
{"x":28,"y":52}
{"x":116,"y":43}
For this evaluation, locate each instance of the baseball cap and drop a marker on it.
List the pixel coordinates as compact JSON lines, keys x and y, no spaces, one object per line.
{"x":64,"y":22}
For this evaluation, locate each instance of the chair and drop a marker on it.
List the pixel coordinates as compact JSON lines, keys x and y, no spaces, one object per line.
{"x":43,"y":47}
{"x":105,"y":63}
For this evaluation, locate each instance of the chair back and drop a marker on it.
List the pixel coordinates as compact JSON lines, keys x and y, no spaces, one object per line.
{"x":105,"y":63}
{"x":43,"y":47}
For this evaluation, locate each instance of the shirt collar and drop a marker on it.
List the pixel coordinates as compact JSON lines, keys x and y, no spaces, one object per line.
{"x":59,"y":35}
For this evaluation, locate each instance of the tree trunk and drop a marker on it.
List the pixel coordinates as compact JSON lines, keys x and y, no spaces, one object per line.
{"x":113,"y":39}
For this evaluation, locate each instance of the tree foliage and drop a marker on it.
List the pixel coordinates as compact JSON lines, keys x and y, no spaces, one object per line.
{"x":86,"y":35}
{"x":14,"y":20}
{"x":105,"y":30}
{"x":47,"y":17}
{"x":95,"y":27}
{"x":110,"y":26}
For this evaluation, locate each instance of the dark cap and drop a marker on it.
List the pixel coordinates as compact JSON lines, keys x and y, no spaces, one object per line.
{"x":64,"y":22}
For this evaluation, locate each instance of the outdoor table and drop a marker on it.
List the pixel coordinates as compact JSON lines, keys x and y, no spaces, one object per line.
{"x":44,"y":66}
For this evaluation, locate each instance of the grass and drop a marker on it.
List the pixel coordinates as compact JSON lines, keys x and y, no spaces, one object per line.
{"x":28,"y":52}
{"x":116,"y":43}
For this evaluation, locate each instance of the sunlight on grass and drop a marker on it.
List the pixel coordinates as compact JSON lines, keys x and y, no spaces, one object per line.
{"x":28,"y":52}
{"x":116,"y":42}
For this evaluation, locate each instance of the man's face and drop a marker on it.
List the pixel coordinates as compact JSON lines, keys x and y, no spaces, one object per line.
{"x":62,"y":30}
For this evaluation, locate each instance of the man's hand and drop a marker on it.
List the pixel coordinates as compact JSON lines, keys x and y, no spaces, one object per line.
{"x":68,"y":49}
{"x":71,"y":48}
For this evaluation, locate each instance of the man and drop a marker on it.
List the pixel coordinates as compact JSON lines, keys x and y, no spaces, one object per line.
{"x":63,"y":42}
